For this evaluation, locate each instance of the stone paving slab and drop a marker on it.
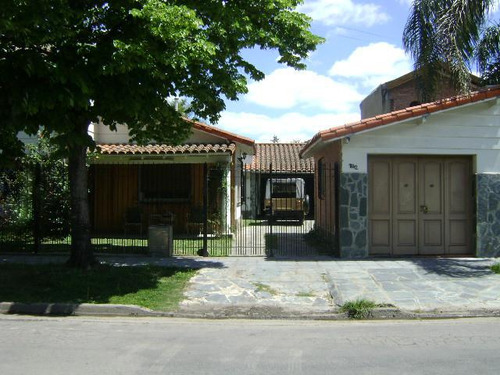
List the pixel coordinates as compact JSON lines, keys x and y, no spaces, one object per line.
{"x":322,"y":284}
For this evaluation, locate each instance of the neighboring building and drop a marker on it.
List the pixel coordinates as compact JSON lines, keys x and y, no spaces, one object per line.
{"x":423,"y":180}
{"x":278,"y":160}
{"x":403,"y":92}
{"x":157,"y":178}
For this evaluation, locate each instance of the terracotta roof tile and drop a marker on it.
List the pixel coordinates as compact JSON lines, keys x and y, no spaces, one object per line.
{"x":221,"y":133}
{"x":400,"y":115}
{"x":284,"y":157}
{"x":161,"y":149}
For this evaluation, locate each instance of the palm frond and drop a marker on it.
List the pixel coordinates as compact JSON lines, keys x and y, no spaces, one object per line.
{"x":448,"y":33}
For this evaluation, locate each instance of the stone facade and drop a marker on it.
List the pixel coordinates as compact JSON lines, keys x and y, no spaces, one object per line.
{"x":488,"y":215}
{"x":353,"y":215}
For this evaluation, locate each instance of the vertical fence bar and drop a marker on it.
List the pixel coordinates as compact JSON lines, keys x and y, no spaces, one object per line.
{"x":271,"y":219}
{"x":205,"y":210}
{"x":336,"y":181}
{"x":37,"y":202}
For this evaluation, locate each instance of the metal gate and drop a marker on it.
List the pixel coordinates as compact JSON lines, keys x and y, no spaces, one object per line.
{"x":277,"y":214}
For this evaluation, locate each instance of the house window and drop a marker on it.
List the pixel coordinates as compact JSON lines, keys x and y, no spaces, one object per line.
{"x":321,"y":179}
{"x":165,"y":182}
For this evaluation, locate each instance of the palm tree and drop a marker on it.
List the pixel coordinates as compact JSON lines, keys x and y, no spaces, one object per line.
{"x":452,"y":35}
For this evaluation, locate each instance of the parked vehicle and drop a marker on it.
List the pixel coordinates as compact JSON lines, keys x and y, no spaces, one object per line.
{"x":285,"y":199}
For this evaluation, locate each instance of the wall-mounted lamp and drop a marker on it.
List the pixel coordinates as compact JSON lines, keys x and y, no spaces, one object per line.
{"x":242,"y":158}
{"x":347,"y":140}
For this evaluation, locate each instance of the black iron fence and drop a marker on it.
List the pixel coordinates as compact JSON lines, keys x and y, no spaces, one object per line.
{"x":198,"y":209}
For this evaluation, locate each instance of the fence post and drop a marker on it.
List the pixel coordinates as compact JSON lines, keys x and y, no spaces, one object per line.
{"x":336,"y":180}
{"x":271,"y":253}
{"x":205,"y":210}
{"x":36,"y":201}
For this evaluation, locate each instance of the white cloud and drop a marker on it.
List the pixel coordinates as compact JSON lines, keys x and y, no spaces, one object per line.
{"x":288,"y":127}
{"x":373,"y":64}
{"x":288,"y":88}
{"x":344,"y":12}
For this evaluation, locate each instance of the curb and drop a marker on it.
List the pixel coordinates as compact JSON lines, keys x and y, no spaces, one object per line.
{"x":229,"y":312}
{"x":68,"y":309}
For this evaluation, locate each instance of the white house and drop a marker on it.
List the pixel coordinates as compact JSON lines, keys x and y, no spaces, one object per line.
{"x":424,"y":180}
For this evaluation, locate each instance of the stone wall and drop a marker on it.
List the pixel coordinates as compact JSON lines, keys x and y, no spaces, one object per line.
{"x":488,"y":215}
{"x":353,"y":215}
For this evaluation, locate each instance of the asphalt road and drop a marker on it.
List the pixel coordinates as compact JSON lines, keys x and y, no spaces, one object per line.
{"x":30,"y":345}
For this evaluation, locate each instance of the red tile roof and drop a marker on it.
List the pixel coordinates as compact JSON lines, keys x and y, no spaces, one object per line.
{"x":161,"y":149}
{"x":284,"y":157}
{"x":400,"y":115}
{"x":221,"y":133}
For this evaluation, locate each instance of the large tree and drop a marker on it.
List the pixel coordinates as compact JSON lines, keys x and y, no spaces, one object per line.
{"x":67,"y":63}
{"x":456,"y":36}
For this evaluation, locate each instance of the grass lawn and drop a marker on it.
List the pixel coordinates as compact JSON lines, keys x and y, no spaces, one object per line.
{"x":154,"y":287}
{"x":220,"y":246}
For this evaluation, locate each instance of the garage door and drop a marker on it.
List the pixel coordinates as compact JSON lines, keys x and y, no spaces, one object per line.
{"x":420,"y":205}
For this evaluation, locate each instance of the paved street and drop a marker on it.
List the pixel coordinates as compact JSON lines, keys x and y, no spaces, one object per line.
{"x":175,"y":346}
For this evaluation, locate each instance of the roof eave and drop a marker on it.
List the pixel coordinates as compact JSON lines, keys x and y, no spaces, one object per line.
{"x":222,"y":133}
{"x":404,"y":115}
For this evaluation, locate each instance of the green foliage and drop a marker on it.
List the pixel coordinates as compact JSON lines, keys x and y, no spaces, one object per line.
{"x":450,"y":36}
{"x":65,"y":64}
{"x":359,"y":309}
{"x":41,"y":176}
{"x":488,"y":55}
{"x":496,"y":268}
{"x":75,"y":62}
{"x":157,"y":288}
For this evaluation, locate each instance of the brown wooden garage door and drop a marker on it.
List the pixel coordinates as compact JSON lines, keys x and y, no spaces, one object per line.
{"x":420,"y":205}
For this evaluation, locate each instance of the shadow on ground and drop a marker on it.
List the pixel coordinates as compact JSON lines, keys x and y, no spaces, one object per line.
{"x":56,"y":283}
{"x":62,"y":309}
{"x":455,"y":267}
{"x":450,"y":267}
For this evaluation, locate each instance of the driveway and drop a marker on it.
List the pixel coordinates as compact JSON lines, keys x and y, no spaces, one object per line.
{"x":322,"y":284}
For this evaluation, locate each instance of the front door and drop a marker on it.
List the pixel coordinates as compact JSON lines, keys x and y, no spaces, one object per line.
{"x":420,"y":205}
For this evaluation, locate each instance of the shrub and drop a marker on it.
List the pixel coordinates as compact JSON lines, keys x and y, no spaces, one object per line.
{"x":359,"y":309}
{"x":496,"y":268}
{"x":37,"y":186}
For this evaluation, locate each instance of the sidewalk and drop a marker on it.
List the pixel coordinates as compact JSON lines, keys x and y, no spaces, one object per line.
{"x":274,"y":287}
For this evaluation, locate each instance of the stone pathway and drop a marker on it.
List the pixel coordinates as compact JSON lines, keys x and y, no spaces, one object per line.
{"x":260,"y":282}
{"x":419,"y":284}
{"x":321,"y":284}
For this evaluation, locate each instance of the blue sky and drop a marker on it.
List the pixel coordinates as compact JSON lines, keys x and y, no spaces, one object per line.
{"x":362,"y":50}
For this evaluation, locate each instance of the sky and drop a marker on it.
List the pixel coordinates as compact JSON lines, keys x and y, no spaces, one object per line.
{"x":363,"y":49}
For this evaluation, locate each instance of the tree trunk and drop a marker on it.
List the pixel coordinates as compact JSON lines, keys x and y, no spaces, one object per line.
{"x":82,"y":255}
